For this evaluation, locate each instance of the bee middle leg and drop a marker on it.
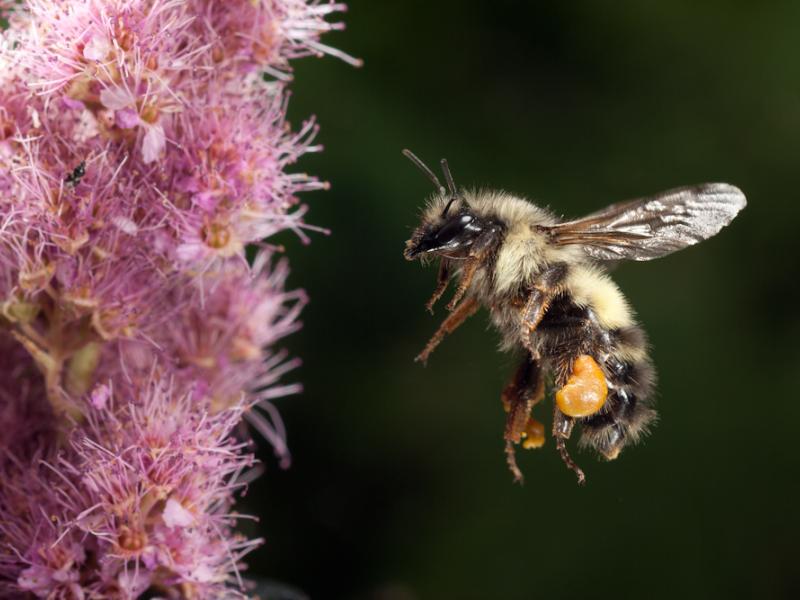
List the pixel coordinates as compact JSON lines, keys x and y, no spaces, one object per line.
{"x":540,"y":295}
{"x":519,"y":397}
{"x":479,"y":252}
{"x":467,"y":274}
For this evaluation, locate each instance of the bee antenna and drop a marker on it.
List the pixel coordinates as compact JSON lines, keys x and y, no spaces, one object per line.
{"x":448,"y":177}
{"x":449,"y":204}
{"x":424,"y":168}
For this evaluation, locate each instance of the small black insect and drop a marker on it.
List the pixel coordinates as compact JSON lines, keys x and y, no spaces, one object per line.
{"x":74,"y":178}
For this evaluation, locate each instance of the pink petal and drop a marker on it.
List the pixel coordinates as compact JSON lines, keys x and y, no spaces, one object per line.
{"x":97,"y":48}
{"x":149,"y":557}
{"x":190,"y":251}
{"x":134,"y":583}
{"x":206,"y":200}
{"x":203,"y":574}
{"x":175,"y":515}
{"x":34,"y":578}
{"x":125,"y":225}
{"x":116,"y":98}
{"x":100,"y":396}
{"x":127,"y":118}
{"x":154,"y":143}
{"x":71,"y":102}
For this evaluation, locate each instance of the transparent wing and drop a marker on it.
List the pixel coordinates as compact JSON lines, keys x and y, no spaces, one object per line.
{"x":648,"y":228}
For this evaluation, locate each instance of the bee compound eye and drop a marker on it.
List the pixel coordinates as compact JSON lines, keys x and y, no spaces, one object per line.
{"x":454,"y":227}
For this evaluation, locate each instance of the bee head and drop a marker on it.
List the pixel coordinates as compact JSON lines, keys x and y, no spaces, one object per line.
{"x":451,"y":233}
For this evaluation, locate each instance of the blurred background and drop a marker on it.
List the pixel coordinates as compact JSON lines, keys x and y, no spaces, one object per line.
{"x":399,"y":488}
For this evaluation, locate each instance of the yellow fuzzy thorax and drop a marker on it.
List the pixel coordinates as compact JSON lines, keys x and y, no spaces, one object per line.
{"x":526,"y":250}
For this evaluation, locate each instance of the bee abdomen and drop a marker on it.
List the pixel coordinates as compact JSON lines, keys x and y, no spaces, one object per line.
{"x":628,"y":411}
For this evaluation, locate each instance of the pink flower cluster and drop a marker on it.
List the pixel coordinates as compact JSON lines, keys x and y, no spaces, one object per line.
{"x":143,"y":160}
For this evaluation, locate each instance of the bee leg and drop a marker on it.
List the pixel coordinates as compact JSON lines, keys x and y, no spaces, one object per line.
{"x":539,"y":297}
{"x":441,"y":284}
{"x":467,"y":274}
{"x":532,"y":314}
{"x":562,"y":429}
{"x":519,"y":397}
{"x":465,"y":310}
{"x":480,"y":250}
{"x":582,"y":392}
{"x":511,"y":461}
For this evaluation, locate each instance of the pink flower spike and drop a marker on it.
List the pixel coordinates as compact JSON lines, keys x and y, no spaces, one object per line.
{"x":148,"y":161}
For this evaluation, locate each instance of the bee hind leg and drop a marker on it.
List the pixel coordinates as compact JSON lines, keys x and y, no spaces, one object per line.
{"x":519,"y":397}
{"x":562,"y":430}
{"x":582,"y":391}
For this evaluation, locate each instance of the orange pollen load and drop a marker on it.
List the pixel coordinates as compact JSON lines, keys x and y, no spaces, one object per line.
{"x":586,"y":390}
{"x":534,"y":434}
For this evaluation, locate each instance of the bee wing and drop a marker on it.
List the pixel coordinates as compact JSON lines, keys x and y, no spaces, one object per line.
{"x":648,"y":228}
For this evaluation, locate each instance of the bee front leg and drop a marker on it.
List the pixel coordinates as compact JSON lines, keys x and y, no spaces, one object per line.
{"x":519,"y":397}
{"x":442,"y":279}
{"x":542,"y":292}
{"x":464,"y":311}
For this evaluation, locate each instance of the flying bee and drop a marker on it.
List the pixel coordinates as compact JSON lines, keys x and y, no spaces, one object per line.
{"x":543,"y":282}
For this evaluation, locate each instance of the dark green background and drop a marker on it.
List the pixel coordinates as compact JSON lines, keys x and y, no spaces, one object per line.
{"x":399,"y":488}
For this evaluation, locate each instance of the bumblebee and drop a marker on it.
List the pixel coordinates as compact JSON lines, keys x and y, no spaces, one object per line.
{"x":545,"y":286}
